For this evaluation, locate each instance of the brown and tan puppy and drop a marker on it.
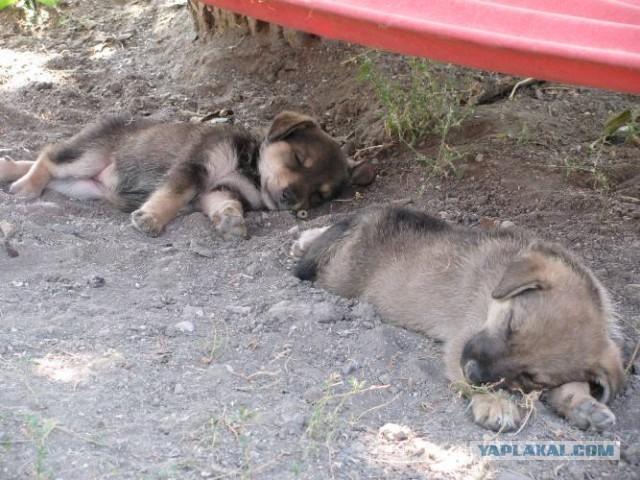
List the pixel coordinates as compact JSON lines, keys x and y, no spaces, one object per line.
{"x":511,"y":310}
{"x":155,"y":169}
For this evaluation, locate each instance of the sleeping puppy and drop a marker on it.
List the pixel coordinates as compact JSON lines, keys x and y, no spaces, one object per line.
{"x":155,"y":169}
{"x":513,"y":311}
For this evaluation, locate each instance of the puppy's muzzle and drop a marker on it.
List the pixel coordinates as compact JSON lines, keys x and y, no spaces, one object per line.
{"x":474,"y":373}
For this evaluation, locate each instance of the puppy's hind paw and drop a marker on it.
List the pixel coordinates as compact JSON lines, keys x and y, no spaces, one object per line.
{"x":231,"y":227}
{"x":146,"y":223}
{"x":301,"y":245}
{"x":591,"y":414}
{"x":24,"y":188}
{"x":495,"y":411}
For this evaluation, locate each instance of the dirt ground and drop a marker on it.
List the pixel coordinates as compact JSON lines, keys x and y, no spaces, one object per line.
{"x":186,"y":357}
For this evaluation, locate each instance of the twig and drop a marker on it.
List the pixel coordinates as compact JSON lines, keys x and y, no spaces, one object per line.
{"x":634,"y":355}
{"x":521,"y":83}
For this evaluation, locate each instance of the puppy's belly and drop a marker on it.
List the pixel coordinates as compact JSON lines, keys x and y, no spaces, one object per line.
{"x":101,"y":186}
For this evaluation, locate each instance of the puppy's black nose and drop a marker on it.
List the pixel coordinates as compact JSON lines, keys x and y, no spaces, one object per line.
{"x":473,"y":371}
{"x":288,"y":195}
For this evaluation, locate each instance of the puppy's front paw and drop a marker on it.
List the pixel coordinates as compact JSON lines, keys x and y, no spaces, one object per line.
{"x":495,"y":411}
{"x":146,"y":223}
{"x":230,"y":225}
{"x":591,"y":414}
{"x":26,"y":188}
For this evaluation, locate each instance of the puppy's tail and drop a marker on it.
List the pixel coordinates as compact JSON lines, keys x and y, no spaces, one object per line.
{"x":322,"y":249}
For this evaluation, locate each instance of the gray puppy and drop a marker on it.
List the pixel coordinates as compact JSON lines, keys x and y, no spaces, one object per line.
{"x":512,"y":310}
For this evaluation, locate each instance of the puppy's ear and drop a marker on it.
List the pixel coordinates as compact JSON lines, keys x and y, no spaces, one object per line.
{"x":286,"y":123}
{"x":522,"y":274}
{"x":362,"y":173}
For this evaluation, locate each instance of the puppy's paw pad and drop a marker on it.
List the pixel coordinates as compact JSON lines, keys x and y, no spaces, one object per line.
{"x":146,"y":223}
{"x":496,"y":412}
{"x":25,"y":189}
{"x":231,"y":227}
{"x":591,"y":414}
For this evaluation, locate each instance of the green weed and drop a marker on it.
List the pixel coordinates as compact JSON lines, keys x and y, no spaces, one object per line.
{"x":38,"y":430}
{"x":625,"y":123}
{"x":417,"y":103}
{"x":30,"y":8}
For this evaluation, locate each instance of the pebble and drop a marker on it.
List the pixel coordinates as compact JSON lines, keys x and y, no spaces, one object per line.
{"x":201,"y":250}
{"x":295,"y":423}
{"x":507,"y":224}
{"x":185,"y":327}
{"x":286,"y":309}
{"x":240,"y":310}
{"x":313,"y":394}
{"x":395,"y":432}
{"x":349,"y":368}
{"x":191,"y":311}
{"x":178,"y":389}
{"x":326,"y":312}
{"x":631,"y":455}
{"x":95,"y":281}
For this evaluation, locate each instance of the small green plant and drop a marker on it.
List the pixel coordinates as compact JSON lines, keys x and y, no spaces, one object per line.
{"x":417,"y":103}
{"x":38,"y":431}
{"x":326,"y":412}
{"x":625,"y":123}
{"x":31,"y":8}
{"x":216,"y":341}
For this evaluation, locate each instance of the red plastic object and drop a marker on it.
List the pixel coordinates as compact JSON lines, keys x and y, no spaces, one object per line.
{"x":594,"y":43}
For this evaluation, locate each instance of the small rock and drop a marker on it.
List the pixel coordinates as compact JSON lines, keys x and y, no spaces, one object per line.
{"x":42,"y":85}
{"x":507,"y":224}
{"x":469,"y":219}
{"x":95,"y":281}
{"x":295,"y":423}
{"x":631,"y":455}
{"x":394,"y":432}
{"x":313,"y":394}
{"x":191,"y":311}
{"x":201,"y":250}
{"x":349,"y":368}
{"x":238,"y":309}
{"x":287,"y":309}
{"x":185,"y":327}
{"x":178,"y":389}
{"x":326,"y":312}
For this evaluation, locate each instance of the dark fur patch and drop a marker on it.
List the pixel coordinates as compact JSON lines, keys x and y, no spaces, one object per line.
{"x":401,"y":219}
{"x":321,"y":250}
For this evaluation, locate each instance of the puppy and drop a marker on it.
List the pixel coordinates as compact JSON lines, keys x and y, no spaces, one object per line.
{"x":512,"y":311}
{"x":154,"y":169}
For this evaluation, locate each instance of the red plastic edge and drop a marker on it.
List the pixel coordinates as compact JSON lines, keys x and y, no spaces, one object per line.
{"x":590,"y":43}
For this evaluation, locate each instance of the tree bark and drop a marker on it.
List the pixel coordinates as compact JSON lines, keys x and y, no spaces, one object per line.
{"x":210,"y":21}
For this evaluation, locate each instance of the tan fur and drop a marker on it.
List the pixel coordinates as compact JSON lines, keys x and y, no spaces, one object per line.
{"x":510,"y":309}
{"x":162,"y":207}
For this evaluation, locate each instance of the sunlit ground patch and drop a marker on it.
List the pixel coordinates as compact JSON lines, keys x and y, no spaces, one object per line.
{"x":67,"y":367}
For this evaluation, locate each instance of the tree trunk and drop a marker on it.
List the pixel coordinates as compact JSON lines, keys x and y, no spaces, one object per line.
{"x":209,"y":21}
